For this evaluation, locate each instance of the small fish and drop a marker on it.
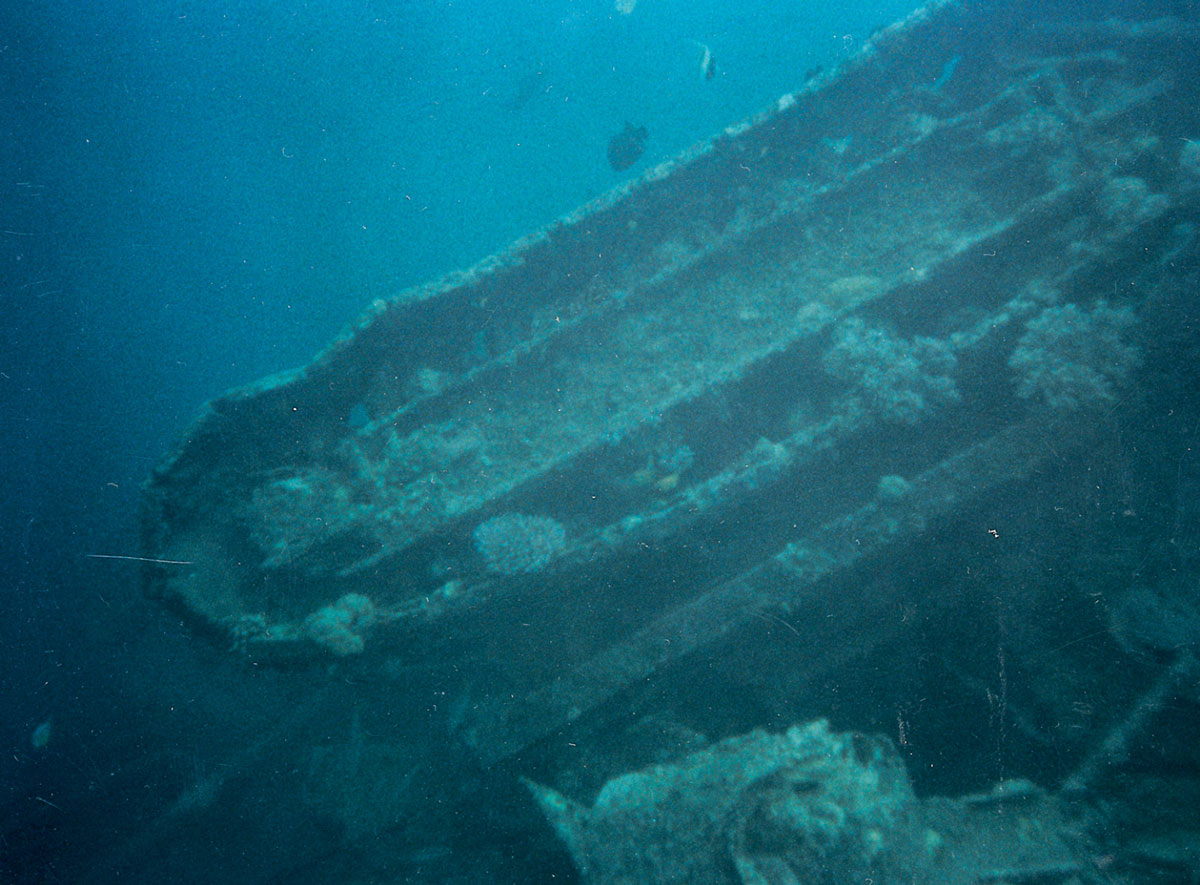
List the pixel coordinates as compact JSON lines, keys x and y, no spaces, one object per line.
{"x":626,"y":147}
{"x":708,"y":64}
{"x":42,"y":734}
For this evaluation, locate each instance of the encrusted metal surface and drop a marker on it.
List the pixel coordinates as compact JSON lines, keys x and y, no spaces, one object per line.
{"x":693,"y":405}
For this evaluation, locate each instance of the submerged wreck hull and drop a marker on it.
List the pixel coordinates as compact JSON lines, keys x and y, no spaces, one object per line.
{"x":759,"y":418}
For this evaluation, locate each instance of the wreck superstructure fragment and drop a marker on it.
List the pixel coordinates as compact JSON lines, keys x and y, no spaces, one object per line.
{"x":709,"y":396}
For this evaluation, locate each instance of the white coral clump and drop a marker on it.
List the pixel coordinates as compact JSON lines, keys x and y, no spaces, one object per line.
{"x":1070,"y":357}
{"x":898,"y":379}
{"x":519,"y":544}
{"x":339,"y":627}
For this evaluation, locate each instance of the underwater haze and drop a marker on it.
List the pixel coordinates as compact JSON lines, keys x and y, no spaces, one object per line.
{"x":199,"y":198}
{"x":197,"y":195}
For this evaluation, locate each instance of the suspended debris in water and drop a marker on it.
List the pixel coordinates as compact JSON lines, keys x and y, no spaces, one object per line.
{"x":626,"y":147}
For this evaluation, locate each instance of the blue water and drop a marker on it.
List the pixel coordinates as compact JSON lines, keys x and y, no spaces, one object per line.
{"x":198,"y":195}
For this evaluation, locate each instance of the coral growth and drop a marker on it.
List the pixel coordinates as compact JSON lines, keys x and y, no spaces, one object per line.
{"x":515,"y":544}
{"x":1069,"y":357}
{"x":1128,"y":200}
{"x":339,"y":627}
{"x":290,"y":515}
{"x":897,"y":379}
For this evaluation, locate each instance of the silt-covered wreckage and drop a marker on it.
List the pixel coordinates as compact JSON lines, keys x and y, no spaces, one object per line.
{"x":873,"y":410}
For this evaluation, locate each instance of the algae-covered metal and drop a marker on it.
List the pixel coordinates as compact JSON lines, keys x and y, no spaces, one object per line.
{"x":698,"y":404}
